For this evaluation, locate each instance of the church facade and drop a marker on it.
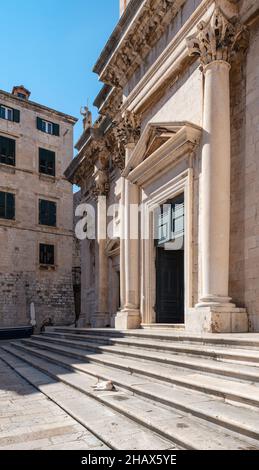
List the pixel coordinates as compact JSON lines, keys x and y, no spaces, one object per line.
{"x":171,"y":170}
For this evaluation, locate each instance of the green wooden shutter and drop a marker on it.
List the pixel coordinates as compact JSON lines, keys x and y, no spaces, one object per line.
{"x":53,"y":214}
{"x":56,"y":129}
{"x":39,"y":123}
{"x":16,"y":115}
{"x":11,"y":152}
{"x":2,"y":112}
{"x":2,"y":204}
{"x":10,"y":206}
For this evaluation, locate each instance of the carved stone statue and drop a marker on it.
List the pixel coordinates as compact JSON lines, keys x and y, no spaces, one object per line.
{"x":87,"y":117}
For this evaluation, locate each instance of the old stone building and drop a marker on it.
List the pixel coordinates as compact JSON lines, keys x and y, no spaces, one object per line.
{"x":36,"y":204}
{"x":177,"y":136}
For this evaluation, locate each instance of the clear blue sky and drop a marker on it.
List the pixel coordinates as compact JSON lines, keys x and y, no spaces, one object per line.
{"x":50,"y":47}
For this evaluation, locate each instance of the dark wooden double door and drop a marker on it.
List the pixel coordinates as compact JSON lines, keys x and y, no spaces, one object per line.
{"x":169,"y":286}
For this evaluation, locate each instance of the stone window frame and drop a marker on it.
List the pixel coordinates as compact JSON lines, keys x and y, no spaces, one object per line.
{"x":49,"y":199}
{"x":46,"y":267}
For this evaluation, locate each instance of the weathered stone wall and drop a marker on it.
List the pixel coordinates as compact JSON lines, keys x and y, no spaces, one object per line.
{"x":244,"y":247}
{"x":52,"y":298}
{"x":76,"y":241}
{"x":22,"y":280}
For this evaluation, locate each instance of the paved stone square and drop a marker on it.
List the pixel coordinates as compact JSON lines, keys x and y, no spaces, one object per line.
{"x":29,"y":420}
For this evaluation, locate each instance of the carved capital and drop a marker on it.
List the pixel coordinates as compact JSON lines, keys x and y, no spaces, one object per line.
{"x":101,"y":185}
{"x":127,"y":130}
{"x":218,"y":39}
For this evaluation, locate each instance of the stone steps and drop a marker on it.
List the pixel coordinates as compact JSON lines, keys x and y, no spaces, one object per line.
{"x":199,"y":404}
{"x":114,"y":430}
{"x":241,"y":340}
{"x":237,"y":371}
{"x":159,"y":427}
{"x":208,"y":351}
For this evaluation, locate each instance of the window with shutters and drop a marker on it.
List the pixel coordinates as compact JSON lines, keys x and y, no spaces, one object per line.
{"x":47,"y":126}
{"x":47,"y":255}
{"x":46,"y":162}
{"x":7,"y":205}
{"x":7,"y":151}
{"x":47,"y":213}
{"x":9,"y":114}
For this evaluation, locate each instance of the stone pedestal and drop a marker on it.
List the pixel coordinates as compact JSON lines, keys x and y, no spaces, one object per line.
{"x":127,"y":319}
{"x":216,"y":320}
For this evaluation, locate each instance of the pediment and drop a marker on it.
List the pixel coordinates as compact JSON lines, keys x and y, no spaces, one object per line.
{"x":159,"y":146}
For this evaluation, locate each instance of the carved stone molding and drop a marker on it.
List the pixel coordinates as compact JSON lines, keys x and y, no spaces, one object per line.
{"x":101,"y":185}
{"x":146,"y":29}
{"x":218,"y":39}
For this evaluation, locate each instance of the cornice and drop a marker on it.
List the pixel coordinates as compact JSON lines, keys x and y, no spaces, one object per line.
{"x":173,"y":60}
{"x":37,"y":107}
{"x":122,"y":56}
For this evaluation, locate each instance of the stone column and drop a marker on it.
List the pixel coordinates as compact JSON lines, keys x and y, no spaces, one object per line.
{"x":129,"y":315}
{"x":101,"y":317}
{"x":215,"y":312}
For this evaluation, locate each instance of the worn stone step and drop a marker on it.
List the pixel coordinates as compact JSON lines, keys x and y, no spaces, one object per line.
{"x":237,"y":371}
{"x":116,"y":431}
{"x":243,"y":340}
{"x":183,"y":429}
{"x":237,"y":355}
{"x":237,"y":418}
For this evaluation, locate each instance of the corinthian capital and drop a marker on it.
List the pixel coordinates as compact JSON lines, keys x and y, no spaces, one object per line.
{"x":218,"y":39}
{"x":127,"y":130}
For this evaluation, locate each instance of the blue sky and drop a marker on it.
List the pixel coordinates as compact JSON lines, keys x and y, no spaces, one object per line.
{"x":50,"y":47}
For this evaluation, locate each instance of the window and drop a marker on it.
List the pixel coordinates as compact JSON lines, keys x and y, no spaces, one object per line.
{"x":47,"y":213}
{"x":7,"y":151}
{"x":47,"y":254}
{"x":48,"y":127}
{"x":9,"y":114}
{"x":22,"y":95}
{"x":46,"y":162}
{"x":7,"y":205}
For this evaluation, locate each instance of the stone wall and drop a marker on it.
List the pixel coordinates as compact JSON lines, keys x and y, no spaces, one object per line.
{"x":52,"y":298}
{"x":244,"y":247}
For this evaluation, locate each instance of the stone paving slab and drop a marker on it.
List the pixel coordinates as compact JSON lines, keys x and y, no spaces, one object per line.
{"x":30,"y":421}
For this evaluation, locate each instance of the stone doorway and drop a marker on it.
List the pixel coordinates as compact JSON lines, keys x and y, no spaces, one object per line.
{"x":169,"y":306}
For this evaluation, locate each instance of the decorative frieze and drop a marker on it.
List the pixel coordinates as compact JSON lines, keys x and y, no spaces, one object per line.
{"x":218,"y":39}
{"x":146,"y":29}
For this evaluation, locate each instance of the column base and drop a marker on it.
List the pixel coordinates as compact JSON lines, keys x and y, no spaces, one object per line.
{"x":212,"y":319}
{"x":128,"y":319}
{"x":100,"y":320}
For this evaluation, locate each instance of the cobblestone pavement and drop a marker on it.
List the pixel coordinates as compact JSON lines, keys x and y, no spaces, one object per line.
{"x":29,"y":420}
